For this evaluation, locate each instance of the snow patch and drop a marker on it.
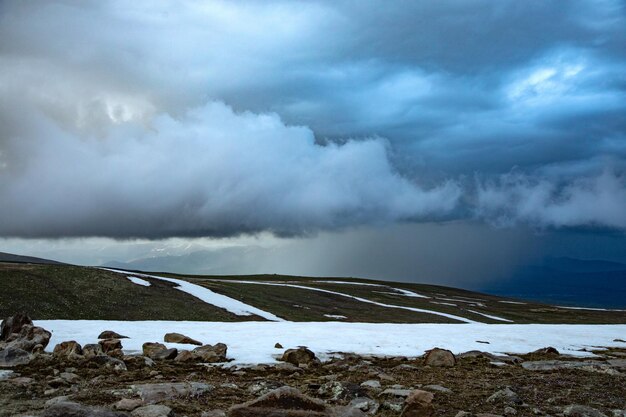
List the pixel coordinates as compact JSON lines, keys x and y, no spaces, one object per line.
{"x":335,"y":316}
{"x":490,"y":316}
{"x":253,"y":342}
{"x":138,"y":281}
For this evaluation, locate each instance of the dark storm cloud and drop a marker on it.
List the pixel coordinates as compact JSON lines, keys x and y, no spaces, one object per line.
{"x":116,"y":120}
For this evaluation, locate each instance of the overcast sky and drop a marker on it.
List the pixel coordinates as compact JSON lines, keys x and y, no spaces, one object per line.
{"x":321,"y":124}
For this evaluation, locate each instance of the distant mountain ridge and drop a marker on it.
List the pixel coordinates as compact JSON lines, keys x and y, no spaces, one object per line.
{"x":11,"y":257}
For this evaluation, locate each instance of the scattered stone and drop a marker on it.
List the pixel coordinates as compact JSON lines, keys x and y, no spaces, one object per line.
{"x":22,"y":381}
{"x":547,"y":351}
{"x":152,"y":410}
{"x":180,"y":338}
{"x":109,"y":345}
{"x":185,"y":356}
{"x":211,"y":353}
{"x":29,"y":338}
{"x":372,"y":384}
{"x":506,"y":396}
{"x":69,"y":350}
{"x":289,"y":402}
{"x":56,"y":400}
{"x":69,"y":377}
{"x":510,"y":411}
{"x":213,"y":413}
{"x":418,"y":404}
{"x":437,"y":388}
{"x":127,"y":404}
{"x":576,"y":410}
{"x":158,"y":351}
{"x":13,"y":325}
{"x":336,"y":391}
{"x":299,"y":355}
{"x":110,"y":334}
{"x":589,"y":365}
{"x":91,"y":350}
{"x":109,"y":362}
{"x":440,"y":357}
{"x":396,"y":392}
{"x":278,"y":346}
{"x":71,"y":409}
{"x":5,"y":374}
{"x":12,"y":356}
{"x":155,"y":393}
{"x":365,"y":404}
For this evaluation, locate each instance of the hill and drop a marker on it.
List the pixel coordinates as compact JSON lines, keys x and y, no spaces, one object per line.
{"x":75,"y":292}
{"x":10,"y":257}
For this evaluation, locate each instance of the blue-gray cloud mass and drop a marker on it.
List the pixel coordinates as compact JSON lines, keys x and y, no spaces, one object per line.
{"x":143,"y":119}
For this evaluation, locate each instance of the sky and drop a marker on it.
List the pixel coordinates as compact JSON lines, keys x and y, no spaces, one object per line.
{"x":442,"y":141}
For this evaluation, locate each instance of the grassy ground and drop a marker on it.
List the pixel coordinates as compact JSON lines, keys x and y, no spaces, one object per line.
{"x":72,"y":292}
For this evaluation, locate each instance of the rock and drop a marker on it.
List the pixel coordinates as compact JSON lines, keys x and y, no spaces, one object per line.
{"x":372,"y":384}
{"x":278,"y":346}
{"x":56,"y":400}
{"x":110,"y":334}
{"x":180,"y":338}
{"x":366,"y":405}
{"x":510,"y":411}
{"x":152,"y":410}
{"x":299,"y":355}
{"x":155,"y":393}
{"x":71,"y":409}
{"x":440,"y":357}
{"x":589,"y":365}
{"x":509,"y":359}
{"x":149,"y":348}
{"x":69,"y":350}
{"x":336,"y":391}
{"x":158,"y":351}
{"x":185,"y":356}
{"x":29,"y":338}
{"x":5,"y":374}
{"x":418,"y":404}
{"x":211,"y":353}
{"x":395,"y":392}
{"x":109,"y":362}
{"x":109,"y":345}
{"x":70,"y":377}
{"x":91,"y":350}
{"x":213,"y":413}
{"x":127,"y":404}
{"x":13,"y":325}
{"x":575,"y":410}
{"x":263,"y":387}
{"x":619,"y":413}
{"x":12,"y":356}
{"x":289,"y":402}
{"x":437,"y":388}
{"x":505,"y":396}
{"x":547,"y":351}
{"x":22,"y":381}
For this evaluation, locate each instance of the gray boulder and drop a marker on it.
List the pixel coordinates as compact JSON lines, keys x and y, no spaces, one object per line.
{"x":12,"y":356}
{"x":71,"y":409}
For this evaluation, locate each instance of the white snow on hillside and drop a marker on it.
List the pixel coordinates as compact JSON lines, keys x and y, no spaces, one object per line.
{"x":253,"y":342}
{"x":210,"y":297}
{"x":364,"y":300}
{"x":401,"y":291}
{"x":490,"y":316}
{"x":138,"y":281}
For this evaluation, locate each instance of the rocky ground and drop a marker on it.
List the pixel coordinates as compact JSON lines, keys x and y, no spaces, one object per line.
{"x":99,"y":380}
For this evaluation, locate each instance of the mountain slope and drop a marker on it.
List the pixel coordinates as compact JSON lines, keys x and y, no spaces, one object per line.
{"x":10,"y":257}
{"x":72,"y":292}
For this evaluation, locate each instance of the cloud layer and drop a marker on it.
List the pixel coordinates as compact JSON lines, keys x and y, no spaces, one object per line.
{"x":221,"y":118}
